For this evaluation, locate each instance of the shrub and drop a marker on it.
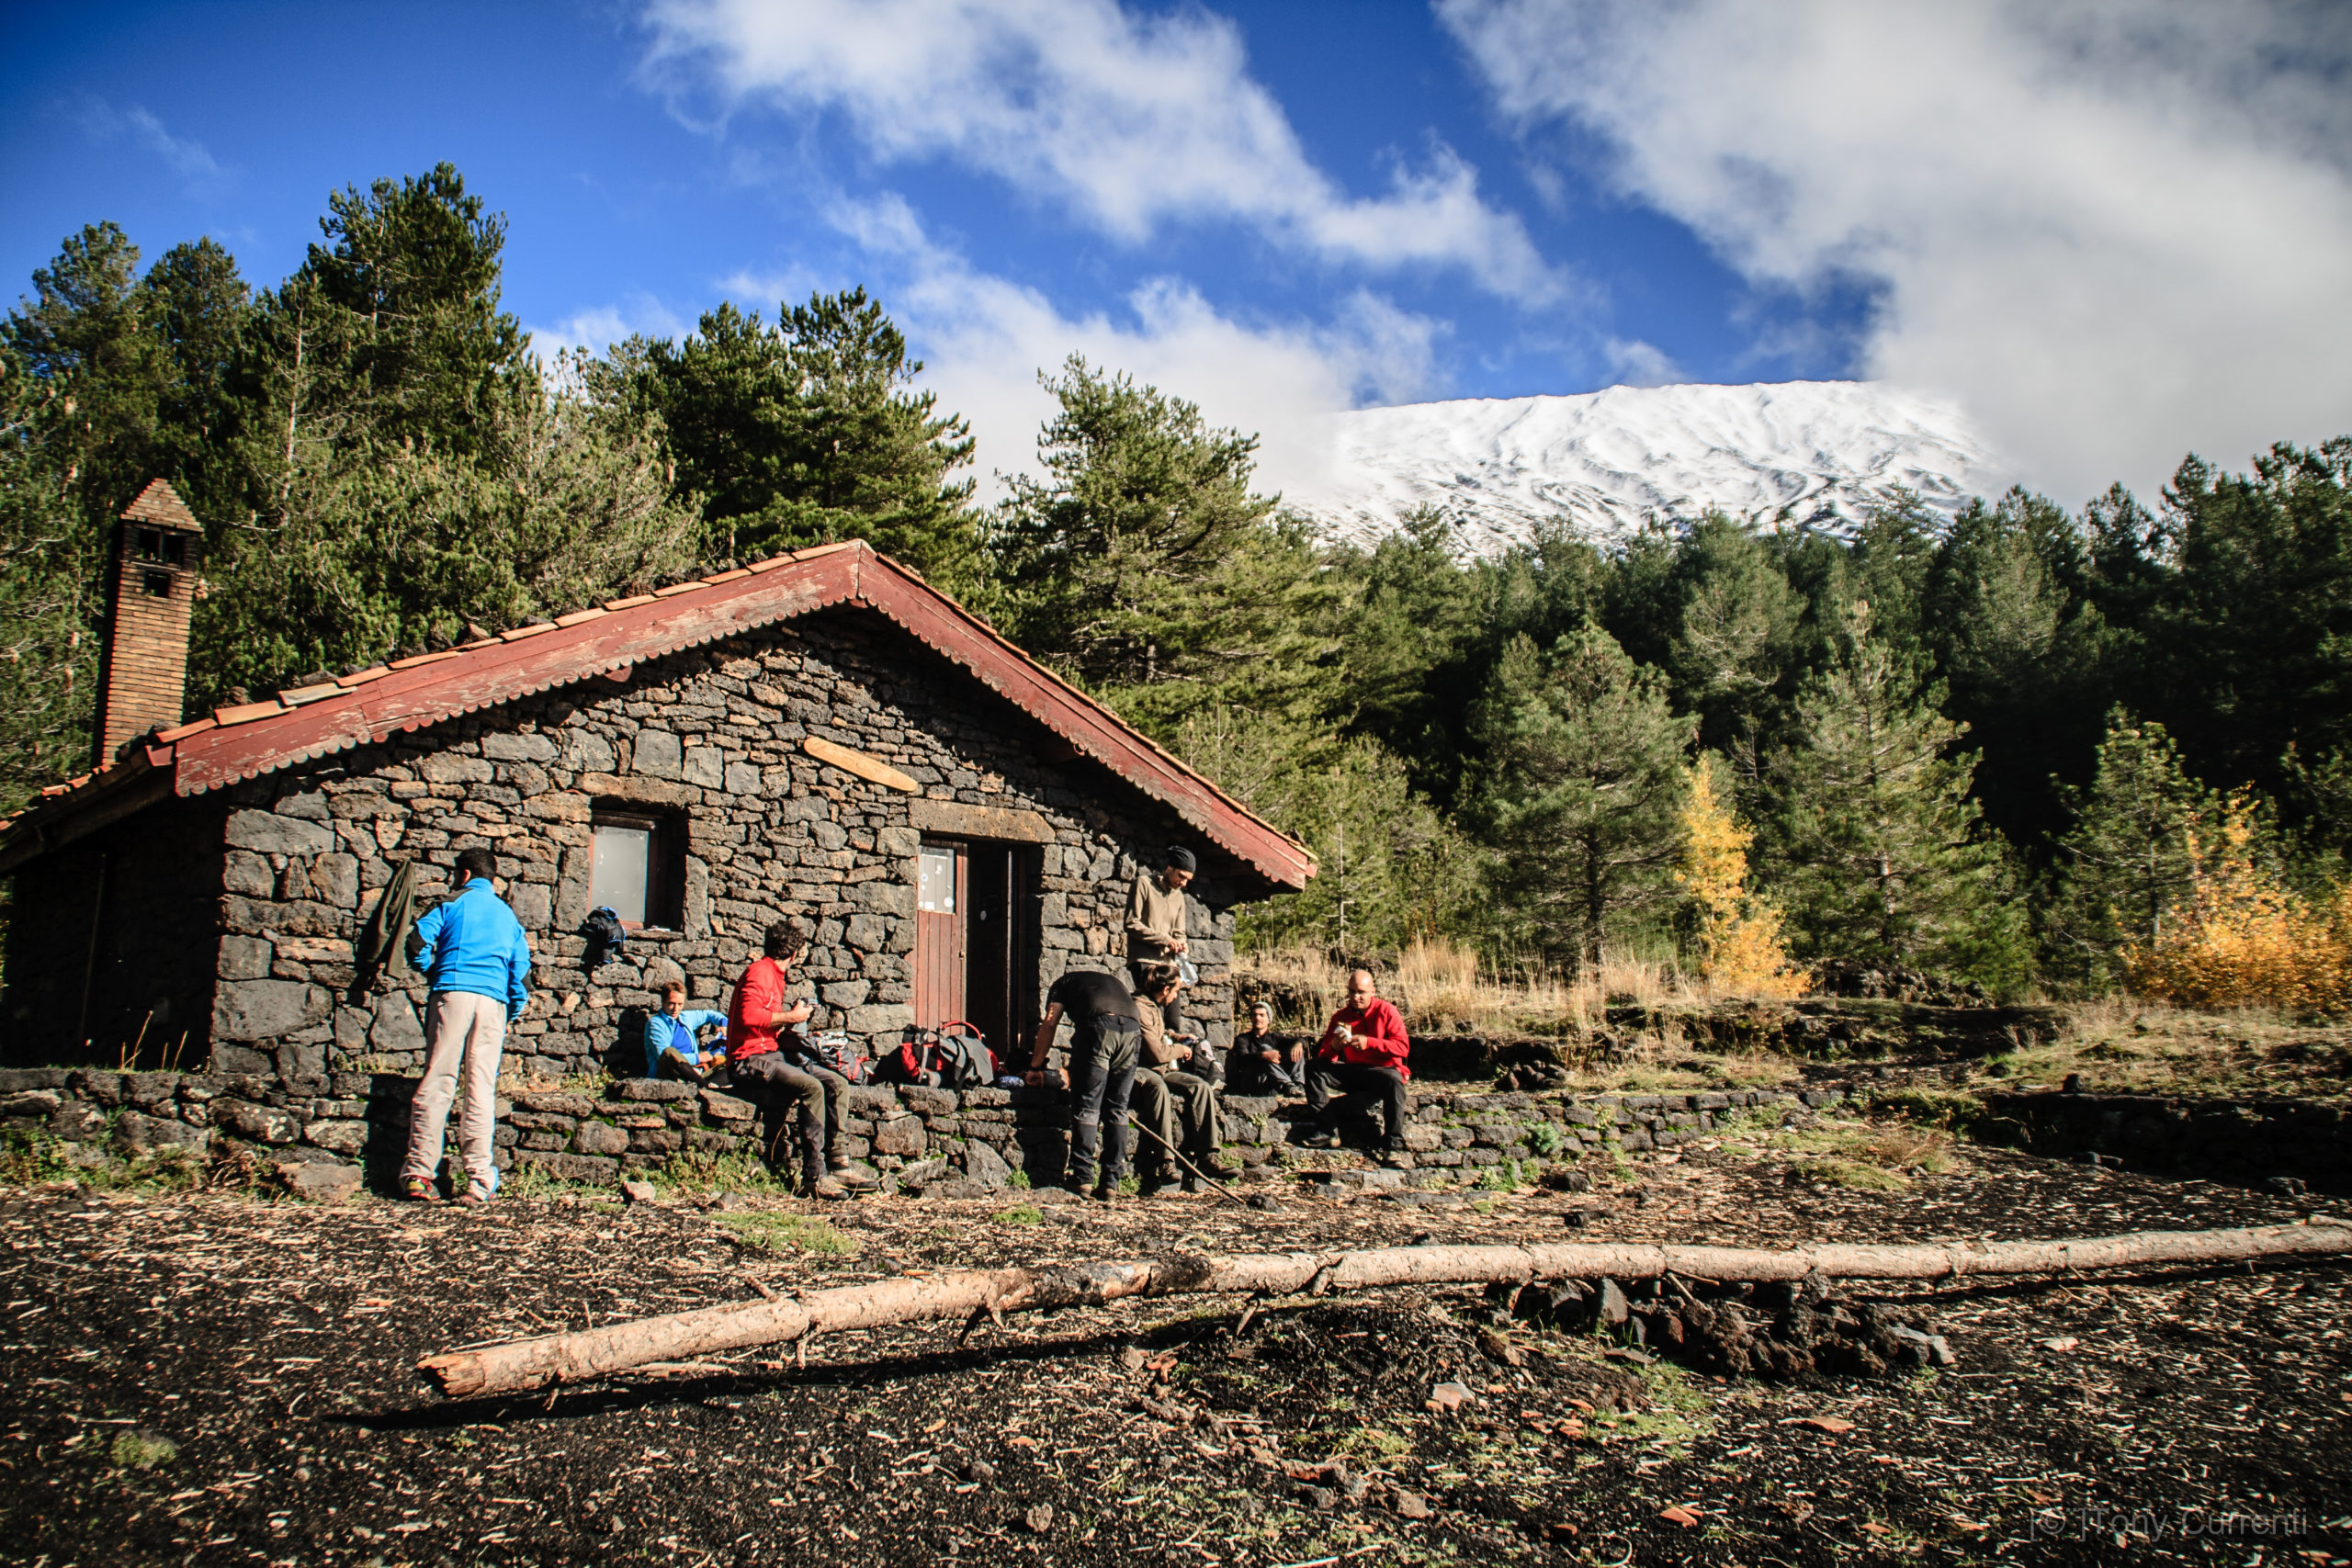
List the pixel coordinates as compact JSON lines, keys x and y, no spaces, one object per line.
{"x":2242,"y":937}
{"x":1739,"y":934}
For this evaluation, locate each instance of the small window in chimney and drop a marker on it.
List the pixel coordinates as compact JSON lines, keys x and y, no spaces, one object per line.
{"x":158,"y":585}
{"x":162,"y":545}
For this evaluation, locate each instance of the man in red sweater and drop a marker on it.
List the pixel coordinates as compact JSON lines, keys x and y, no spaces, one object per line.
{"x":769,"y":1062}
{"x":1362,"y":1052}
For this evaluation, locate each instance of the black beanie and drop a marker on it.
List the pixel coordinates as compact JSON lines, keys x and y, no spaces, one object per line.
{"x":1180,"y":858}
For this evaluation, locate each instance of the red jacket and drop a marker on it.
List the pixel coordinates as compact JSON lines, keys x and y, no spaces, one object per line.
{"x":1379,"y":1039}
{"x":758,"y":994}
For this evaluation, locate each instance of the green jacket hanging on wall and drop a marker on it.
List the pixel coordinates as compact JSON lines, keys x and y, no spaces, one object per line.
{"x":387,"y":926}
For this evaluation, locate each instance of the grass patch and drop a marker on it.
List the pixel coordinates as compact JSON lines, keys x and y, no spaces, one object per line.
{"x":773,"y":1230}
{"x":1951,"y":1110}
{"x":1503,"y":1178}
{"x":1018,"y":1181}
{"x":701,"y":1170}
{"x":1901,"y":1147}
{"x":31,"y":1159}
{"x":536,"y":1184}
{"x":137,"y":1449}
{"x":1020,"y":1215}
{"x":1376,"y":1444}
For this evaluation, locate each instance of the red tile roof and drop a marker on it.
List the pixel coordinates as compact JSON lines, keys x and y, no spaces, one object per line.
{"x":251,"y":738}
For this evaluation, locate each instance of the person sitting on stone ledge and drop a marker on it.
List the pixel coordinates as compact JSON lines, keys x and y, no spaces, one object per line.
{"x":762,"y":1070}
{"x":1260,"y":1063}
{"x":1362,"y":1052}
{"x":1175,"y":1090}
{"x":671,"y":1037}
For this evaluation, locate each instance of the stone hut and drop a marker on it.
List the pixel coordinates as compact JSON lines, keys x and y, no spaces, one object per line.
{"x":819,"y":737}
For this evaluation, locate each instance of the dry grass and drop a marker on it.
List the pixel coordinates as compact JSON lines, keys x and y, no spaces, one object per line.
{"x":1441,"y":987}
{"x":2128,"y":1045}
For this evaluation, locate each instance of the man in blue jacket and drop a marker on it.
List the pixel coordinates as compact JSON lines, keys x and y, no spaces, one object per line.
{"x":670,"y":1033}
{"x":471,"y":949}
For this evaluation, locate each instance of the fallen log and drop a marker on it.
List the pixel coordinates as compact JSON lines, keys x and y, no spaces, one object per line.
{"x":972,"y":1293}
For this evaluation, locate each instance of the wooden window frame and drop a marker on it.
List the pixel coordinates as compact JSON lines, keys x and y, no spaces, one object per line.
{"x":665,"y":861}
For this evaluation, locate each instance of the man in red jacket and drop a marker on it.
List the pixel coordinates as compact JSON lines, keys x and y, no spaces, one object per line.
{"x":1362,"y":1052}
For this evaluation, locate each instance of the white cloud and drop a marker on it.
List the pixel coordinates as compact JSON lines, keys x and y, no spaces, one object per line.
{"x":1131,"y":122}
{"x":103,"y":122}
{"x":984,"y":339}
{"x":598,"y":327}
{"x":2115,"y":231}
{"x":1638,"y":363}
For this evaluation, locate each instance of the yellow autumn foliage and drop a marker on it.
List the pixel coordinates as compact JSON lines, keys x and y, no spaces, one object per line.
{"x":2243,"y":938}
{"x":1740,"y":947}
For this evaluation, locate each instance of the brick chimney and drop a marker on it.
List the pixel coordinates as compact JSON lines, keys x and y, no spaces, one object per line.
{"x":142,"y":669}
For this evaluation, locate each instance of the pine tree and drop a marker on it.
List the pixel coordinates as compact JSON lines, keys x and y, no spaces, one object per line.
{"x":2129,"y":856}
{"x":1881,"y":853}
{"x":808,"y":432}
{"x":1144,"y":566}
{"x":1389,"y":866}
{"x":1582,"y":790}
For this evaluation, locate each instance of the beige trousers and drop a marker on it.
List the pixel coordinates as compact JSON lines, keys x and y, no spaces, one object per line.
{"x":459,"y":1025}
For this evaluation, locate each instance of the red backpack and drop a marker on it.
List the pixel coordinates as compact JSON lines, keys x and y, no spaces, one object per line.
{"x":953,"y":1056}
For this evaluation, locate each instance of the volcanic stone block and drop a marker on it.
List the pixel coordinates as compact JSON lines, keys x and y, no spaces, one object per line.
{"x":902,"y":1135}
{"x":343,"y":1137}
{"x":264,"y":1010}
{"x":985,"y":1166}
{"x":136,"y":1134}
{"x":322,"y":1182}
{"x":256,"y":1123}
{"x":396,"y":1027}
{"x":266,"y":833}
{"x":656,"y":753}
{"x":598,"y":1138}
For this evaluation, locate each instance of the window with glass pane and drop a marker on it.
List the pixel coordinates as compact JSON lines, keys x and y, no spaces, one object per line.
{"x":622,"y":869}
{"x":935,"y":887}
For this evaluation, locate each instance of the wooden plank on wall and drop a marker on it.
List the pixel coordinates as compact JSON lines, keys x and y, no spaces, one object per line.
{"x":872,"y":769}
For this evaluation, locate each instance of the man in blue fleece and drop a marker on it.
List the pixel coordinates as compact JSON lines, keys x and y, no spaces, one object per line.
{"x":670,"y":1033}
{"x":471,"y":949}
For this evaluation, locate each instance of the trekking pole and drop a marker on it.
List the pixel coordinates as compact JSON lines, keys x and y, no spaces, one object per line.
{"x":1188,"y":1164}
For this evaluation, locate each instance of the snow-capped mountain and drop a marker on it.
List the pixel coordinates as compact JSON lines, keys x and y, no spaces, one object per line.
{"x":1787,"y":452}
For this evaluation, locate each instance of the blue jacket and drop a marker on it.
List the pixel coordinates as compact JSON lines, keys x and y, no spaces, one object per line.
{"x":661,"y":1030}
{"x":473,"y":943}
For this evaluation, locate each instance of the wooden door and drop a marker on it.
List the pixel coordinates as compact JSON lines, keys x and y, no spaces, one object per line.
{"x":976,"y":939}
{"x":988,"y":944}
{"x":941,"y":898}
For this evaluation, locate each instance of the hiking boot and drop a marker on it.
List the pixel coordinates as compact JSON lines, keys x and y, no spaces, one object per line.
{"x":1321,"y":1138}
{"x":1107,"y":1196}
{"x":476,"y":1195}
{"x":419,"y":1189}
{"x":849,"y":1176}
{"x":1206,"y":1164}
{"x":1152,"y":1183}
{"x":826,"y":1188}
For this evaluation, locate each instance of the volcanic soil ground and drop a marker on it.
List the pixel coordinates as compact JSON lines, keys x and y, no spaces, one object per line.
{"x":201,"y":1378}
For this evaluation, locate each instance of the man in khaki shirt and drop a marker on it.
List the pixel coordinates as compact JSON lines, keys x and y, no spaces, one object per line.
{"x":1175,"y":1090}
{"x":1156,"y":918}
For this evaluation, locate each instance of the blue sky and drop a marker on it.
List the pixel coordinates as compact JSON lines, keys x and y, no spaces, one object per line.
{"x":1283,"y":210}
